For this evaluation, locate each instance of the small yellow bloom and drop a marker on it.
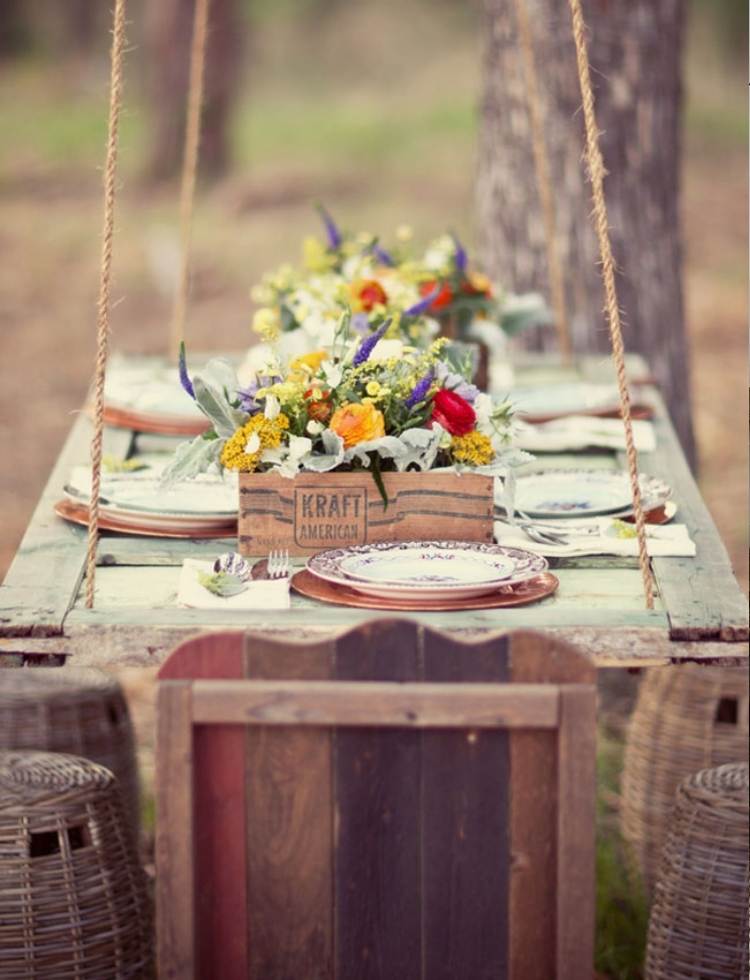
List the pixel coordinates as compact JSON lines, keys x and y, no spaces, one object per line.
{"x":474,"y":448}
{"x":266,"y":323}
{"x":373,"y":388}
{"x":305,"y":365}
{"x":315,"y":256}
{"x":260,"y":432}
{"x":357,"y":422}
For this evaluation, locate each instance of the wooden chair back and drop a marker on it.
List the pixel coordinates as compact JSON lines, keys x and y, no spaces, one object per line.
{"x":390,"y":804}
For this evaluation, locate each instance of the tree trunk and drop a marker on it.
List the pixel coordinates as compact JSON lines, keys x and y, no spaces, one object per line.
{"x":169,"y":31}
{"x":635,"y":48}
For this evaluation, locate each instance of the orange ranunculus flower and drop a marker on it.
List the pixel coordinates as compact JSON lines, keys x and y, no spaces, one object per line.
{"x":358,"y":422}
{"x":367,"y":293}
{"x":305,"y":365}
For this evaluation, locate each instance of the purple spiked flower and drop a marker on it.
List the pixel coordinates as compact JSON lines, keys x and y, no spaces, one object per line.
{"x":334,"y":235}
{"x":185,"y":381}
{"x":460,"y":257}
{"x":420,"y":390}
{"x":368,"y":344}
{"x":424,"y":304}
{"x":385,"y":258}
{"x":247,"y":402}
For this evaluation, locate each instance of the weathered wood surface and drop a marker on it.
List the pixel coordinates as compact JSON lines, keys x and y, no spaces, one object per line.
{"x":43,"y":580}
{"x":373,"y":854}
{"x":701,"y":595}
{"x":700,"y":615}
{"x":337,"y":510}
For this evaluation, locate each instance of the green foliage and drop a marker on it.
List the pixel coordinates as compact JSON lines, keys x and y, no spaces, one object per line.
{"x":621,"y":906}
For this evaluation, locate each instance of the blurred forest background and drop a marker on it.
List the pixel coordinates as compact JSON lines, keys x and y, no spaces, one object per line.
{"x":370,"y":106}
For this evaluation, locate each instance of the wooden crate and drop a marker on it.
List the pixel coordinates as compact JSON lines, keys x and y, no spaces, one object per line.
{"x":316,"y":511}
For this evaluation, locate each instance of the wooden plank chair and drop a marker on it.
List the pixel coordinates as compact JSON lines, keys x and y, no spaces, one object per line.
{"x":391,"y":804}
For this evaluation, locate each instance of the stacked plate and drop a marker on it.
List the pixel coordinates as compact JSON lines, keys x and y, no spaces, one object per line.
{"x":558,"y":493}
{"x":147,"y":396}
{"x":547,"y":402}
{"x":137,"y":503}
{"x":427,"y":572}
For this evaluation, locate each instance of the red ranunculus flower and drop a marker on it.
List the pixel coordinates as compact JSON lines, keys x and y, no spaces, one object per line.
{"x":367,"y":293}
{"x":453,"y":412}
{"x":444,"y":297}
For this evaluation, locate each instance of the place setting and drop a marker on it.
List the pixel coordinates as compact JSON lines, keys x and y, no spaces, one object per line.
{"x":578,"y":512}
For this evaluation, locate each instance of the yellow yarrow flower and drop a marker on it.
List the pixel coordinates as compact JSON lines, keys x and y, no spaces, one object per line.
{"x":315,"y":256}
{"x":474,"y":448}
{"x":266,"y":323}
{"x":260,"y":433}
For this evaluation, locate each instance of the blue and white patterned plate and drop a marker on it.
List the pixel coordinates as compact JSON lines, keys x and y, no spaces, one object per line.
{"x":429,"y":569}
{"x":572,"y":493}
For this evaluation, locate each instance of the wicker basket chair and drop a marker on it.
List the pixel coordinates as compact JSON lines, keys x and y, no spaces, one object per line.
{"x":75,"y":710}
{"x":73,"y":902}
{"x":699,"y":920}
{"x":686,"y":719}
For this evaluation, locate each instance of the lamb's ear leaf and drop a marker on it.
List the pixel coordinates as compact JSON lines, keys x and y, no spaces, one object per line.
{"x":192,"y":458}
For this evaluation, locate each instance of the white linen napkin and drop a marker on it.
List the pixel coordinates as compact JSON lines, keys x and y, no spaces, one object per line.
{"x":582,"y":432}
{"x":598,"y":537}
{"x":260,"y":593}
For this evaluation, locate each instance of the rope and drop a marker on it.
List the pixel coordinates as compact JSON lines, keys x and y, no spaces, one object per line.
{"x":103,"y":305}
{"x":596,"y":170}
{"x":190,"y":168}
{"x":543,"y":181}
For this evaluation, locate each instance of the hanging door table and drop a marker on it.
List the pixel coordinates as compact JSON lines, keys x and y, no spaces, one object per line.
{"x":700,"y":613}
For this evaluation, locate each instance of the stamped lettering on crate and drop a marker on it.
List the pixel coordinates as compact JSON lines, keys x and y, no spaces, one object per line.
{"x":330,"y":515}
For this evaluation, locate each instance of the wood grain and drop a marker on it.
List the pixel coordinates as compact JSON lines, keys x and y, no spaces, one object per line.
{"x":534,"y":765}
{"x":219,"y":813}
{"x":377,"y":858}
{"x":289,"y":827}
{"x":175,"y":879}
{"x":316,"y":704}
{"x":576,"y":832}
{"x":315,"y":511}
{"x":701,"y":594}
{"x":465,"y":826}
{"x":42,"y":583}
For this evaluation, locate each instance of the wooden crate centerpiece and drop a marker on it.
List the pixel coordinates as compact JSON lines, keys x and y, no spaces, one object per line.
{"x":316,"y":511}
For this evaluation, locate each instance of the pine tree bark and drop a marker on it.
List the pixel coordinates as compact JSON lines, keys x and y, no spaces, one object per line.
{"x":169,"y":27}
{"x":635,"y":49}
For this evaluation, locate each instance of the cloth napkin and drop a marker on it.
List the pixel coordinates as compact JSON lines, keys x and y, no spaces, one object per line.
{"x":260,"y":593}
{"x":582,"y":432}
{"x":600,"y":538}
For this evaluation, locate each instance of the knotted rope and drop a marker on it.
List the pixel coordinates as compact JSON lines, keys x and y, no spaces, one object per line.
{"x":103,"y":305}
{"x":190,"y":168}
{"x":543,"y":181}
{"x":596,"y":170}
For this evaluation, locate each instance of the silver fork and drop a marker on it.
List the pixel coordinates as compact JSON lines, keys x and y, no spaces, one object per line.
{"x":278,"y":563}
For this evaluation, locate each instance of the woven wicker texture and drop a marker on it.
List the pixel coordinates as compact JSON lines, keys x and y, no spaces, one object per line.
{"x":699,"y":920}
{"x":80,"y":711}
{"x":73,"y":902}
{"x":685,"y":719}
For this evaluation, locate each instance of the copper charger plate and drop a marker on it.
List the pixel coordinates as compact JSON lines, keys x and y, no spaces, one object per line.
{"x":535,"y":589}
{"x":79,"y":514}
{"x":160,"y":425}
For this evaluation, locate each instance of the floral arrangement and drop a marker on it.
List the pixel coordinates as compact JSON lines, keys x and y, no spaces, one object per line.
{"x":368,"y":402}
{"x":300,"y":309}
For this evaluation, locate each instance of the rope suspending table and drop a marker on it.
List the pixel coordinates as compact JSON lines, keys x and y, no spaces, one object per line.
{"x":699,"y":613}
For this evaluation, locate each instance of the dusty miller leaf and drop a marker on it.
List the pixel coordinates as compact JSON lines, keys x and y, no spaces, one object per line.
{"x":221,"y":583}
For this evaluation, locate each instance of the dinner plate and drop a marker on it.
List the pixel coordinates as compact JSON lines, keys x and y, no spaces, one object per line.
{"x":563,"y":399}
{"x":78,"y":513}
{"x":572,"y":493}
{"x":427,"y":569}
{"x":140,"y":495}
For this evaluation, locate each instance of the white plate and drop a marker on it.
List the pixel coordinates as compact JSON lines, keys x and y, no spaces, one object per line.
{"x":572,"y":493}
{"x":141,"y":495}
{"x":427,"y":569}
{"x":564,"y":399}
